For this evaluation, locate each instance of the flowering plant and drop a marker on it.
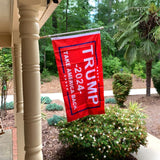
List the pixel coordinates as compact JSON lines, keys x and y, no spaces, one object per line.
{"x":110,"y":136}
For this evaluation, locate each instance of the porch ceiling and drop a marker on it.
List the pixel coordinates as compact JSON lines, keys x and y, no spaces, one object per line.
{"x":9,"y":18}
{"x":5,"y":16}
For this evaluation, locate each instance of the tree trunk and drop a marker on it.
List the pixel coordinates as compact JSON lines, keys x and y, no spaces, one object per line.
{"x":1,"y":109}
{"x":3,"y":99}
{"x":148,"y":77}
{"x":54,"y":21}
{"x":67,"y":15}
{"x":98,"y":9}
{"x":45,"y":59}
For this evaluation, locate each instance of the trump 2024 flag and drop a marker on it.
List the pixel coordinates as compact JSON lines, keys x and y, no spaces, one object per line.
{"x":79,"y":63}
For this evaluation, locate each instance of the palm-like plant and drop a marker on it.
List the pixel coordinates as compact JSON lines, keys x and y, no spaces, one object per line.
{"x":139,"y":34}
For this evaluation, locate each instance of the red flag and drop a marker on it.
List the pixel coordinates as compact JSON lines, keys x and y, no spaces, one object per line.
{"x":79,"y":63}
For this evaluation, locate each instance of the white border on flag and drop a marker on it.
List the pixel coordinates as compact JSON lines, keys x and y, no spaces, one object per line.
{"x":74,"y":36}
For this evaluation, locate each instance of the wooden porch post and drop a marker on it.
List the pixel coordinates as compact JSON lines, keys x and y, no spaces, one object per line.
{"x":19,"y":97}
{"x":29,"y":33}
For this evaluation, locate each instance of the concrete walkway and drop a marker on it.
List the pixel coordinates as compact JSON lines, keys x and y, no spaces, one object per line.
{"x":6,"y":145}
{"x":59,"y":96}
{"x":151,"y":151}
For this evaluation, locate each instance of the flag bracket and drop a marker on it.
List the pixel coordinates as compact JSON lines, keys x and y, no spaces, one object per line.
{"x":74,"y":32}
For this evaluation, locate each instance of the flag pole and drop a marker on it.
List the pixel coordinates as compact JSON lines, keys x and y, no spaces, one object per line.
{"x":74,"y":32}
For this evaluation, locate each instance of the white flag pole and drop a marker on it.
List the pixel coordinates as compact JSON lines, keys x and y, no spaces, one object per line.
{"x":74,"y":32}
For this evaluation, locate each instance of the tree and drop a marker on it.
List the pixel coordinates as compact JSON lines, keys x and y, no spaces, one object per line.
{"x":108,"y":12}
{"x":72,"y":15}
{"x":5,"y":76}
{"x":69,"y":16}
{"x":45,"y":44}
{"x":139,"y":34}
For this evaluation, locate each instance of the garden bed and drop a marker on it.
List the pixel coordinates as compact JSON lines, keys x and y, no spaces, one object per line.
{"x":53,"y":148}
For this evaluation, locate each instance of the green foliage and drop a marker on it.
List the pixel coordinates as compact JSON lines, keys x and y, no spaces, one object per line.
{"x":108,"y":11}
{"x":5,"y":64}
{"x":54,"y":107}
{"x":71,"y":16}
{"x":138,"y":33}
{"x":108,"y":43}
{"x":139,"y":70}
{"x":111,"y":65}
{"x":156,"y":76}
{"x":108,"y":46}
{"x":46,"y":100}
{"x":110,"y":100}
{"x":110,"y":136}
{"x":122,"y":83}
{"x":55,"y":119}
{"x":9,"y":106}
{"x":47,"y":58}
{"x":5,"y":75}
{"x":78,"y":15}
{"x":45,"y":76}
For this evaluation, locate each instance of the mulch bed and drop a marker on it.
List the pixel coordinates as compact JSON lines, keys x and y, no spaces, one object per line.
{"x":53,"y":149}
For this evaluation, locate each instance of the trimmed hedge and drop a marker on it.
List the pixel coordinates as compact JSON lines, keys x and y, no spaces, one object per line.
{"x":122,"y":83}
{"x":156,"y":76}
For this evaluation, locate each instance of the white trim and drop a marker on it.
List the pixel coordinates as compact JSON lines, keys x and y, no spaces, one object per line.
{"x":75,"y":36}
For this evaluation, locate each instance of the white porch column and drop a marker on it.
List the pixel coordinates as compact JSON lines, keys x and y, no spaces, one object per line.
{"x":18,"y":77}
{"x":29,"y":33}
{"x":18,"y":96}
{"x":19,"y":99}
{"x":14,"y":82}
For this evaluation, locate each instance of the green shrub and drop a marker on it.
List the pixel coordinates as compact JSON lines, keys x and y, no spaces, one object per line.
{"x":113,"y":135}
{"x":122,"y":83}
{"x":110,"y":100}
{"x":111,"y":65}
{"x":45,"y":76}
{"x":139,"y":70}
{"x":9,"y":106}
{"x":54,"y":107}
{"x":46,"y":100}
{"x":156,"y":76}
{"x":55,"y":119}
